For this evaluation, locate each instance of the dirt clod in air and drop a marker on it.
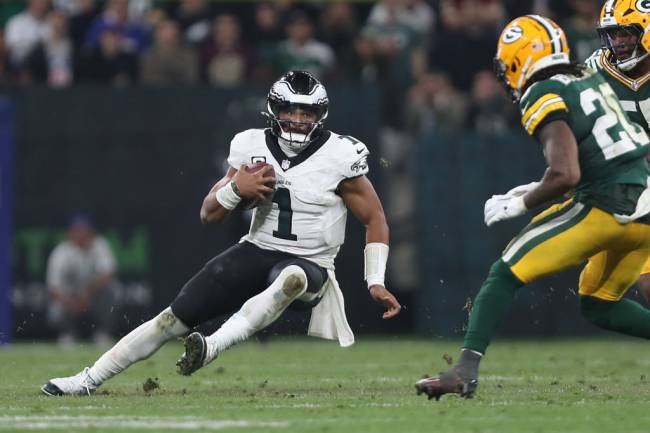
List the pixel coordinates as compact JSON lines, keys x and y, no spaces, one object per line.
{"x":150,"y":384}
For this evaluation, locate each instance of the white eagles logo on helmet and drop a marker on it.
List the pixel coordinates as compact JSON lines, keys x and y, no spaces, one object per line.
{"x":297,"y":89}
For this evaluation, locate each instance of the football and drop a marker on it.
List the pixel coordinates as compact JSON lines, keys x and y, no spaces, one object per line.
{"x":247,"y":204}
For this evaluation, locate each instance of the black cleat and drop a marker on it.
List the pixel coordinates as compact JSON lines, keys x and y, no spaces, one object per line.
{"x":194,"y":356}
{"x":446,"y":383}
{"x":51,"y":390}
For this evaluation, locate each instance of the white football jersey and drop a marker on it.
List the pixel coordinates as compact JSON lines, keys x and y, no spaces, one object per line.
{"x":305,"y":216}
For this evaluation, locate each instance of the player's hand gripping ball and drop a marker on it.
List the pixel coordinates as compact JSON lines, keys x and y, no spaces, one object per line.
{"x":251,"y":203}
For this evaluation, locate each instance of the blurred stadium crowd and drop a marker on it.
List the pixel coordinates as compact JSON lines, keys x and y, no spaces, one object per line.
{"x":431,"y":60}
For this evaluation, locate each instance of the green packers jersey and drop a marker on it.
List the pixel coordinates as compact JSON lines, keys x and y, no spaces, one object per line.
{"x":633,"y":94}
{"x":611,"y":148}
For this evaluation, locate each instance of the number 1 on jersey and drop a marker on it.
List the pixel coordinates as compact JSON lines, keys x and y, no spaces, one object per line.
{"x":282,"y":197}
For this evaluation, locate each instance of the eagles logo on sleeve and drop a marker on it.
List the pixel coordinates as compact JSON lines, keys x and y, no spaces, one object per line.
{"x":361,"y":166}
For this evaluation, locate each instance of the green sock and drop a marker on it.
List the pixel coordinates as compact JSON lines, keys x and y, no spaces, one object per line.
{"x":490,"y":306}
{"x":624,"y":316}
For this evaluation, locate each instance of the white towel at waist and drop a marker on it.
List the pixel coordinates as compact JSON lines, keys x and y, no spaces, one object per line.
{"x":642,"y":207}
{"x":328,"y":317}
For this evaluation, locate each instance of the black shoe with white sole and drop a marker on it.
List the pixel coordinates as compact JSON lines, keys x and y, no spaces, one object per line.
{"x":195,"y":352}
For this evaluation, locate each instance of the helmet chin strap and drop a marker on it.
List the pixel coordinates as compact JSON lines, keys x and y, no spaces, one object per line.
{"x":288,"y":146}
{"x":292,"y":143}
{"x":629,"y":64}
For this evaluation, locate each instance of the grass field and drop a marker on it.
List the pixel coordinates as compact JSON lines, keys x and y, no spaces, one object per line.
{"x":297,"y":385}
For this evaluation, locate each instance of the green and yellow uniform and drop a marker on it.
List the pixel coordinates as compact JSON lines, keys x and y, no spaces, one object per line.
{"x":634,"y":95}
{"x":605,"y":222}
{"x":614,"y":174}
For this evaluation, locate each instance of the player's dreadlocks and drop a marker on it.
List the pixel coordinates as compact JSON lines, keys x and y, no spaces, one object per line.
{"x":573,"y":68}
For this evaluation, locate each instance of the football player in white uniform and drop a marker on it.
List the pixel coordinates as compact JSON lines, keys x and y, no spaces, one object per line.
{"x":287,"y":257}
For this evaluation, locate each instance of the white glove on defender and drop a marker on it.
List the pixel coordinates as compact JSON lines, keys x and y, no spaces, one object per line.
{"x":503,"y":207}
{"x":520,"y":190}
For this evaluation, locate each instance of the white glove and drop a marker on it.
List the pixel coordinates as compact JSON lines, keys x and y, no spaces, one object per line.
{"x":503,"y":207}
{"x":522,"y":189}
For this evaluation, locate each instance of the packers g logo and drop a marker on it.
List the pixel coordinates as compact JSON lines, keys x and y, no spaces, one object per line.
{"x":513,"y":33}
{"x":643,"y":6}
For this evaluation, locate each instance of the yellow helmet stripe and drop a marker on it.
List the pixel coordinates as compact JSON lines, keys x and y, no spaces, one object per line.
{"x":557,"y":41}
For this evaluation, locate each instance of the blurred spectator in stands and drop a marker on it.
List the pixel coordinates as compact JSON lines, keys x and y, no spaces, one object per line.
{"x":580,"y":29}
{"x":81,"y":14}
{"x":517,"y":8}
{"x":195,"y":20}
{"x":366,"y":64}
{"x":399,"y":60}
{"x":25,"y":30}
{"x":557,"y":9}
{"x":137,"y":8}
{"x":339,"y":29}
{"x":51,"y":62}
{"x":415,"y":14}
{"x":9,"y":8}
{"x":483,"y":13}
{"x":226,"y":60}
{"x":434,"y":105}
{"x":70,"y":7}
{"x":5,"y":75}
{"x":466,"y":43}
{"x":140,"y":10}
{"x":108,"y":63}
{"x":133,"y":35}
{"x":168,"y":61}
{"x":268,"y":26}
{"x":268,"y":22}
{"x":81,"y":278}
{"x":490,"y":110}
{"x":263,"y":34}
{"x":300,"y":50}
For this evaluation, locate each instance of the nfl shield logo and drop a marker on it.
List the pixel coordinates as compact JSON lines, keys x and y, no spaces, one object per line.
{"x":286,"y":164}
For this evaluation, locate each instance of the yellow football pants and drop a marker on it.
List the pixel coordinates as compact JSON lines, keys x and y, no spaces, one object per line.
{"x":567,"y":234}
{"x":646,"y":268}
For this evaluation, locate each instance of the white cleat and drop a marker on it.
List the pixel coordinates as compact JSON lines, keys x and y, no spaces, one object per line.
{"x":79,"y":384}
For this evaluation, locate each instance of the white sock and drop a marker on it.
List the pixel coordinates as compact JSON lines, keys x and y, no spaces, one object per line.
{"x":137,"y":345}
{"x":473,"y":351}
{"x":234,"y":330}
{"x":259,"y":311}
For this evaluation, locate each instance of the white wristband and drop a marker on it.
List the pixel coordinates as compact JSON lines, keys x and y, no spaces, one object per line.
{"x":227,"y":197}
{"x":375,"y":258}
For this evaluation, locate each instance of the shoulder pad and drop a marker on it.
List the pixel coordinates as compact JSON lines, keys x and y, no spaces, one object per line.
{"x":562,"y":78}
{"x":354,"y":155}
{"x":240,"y":145}
{"x":595,"y":61}
{"x":539,"y":89}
